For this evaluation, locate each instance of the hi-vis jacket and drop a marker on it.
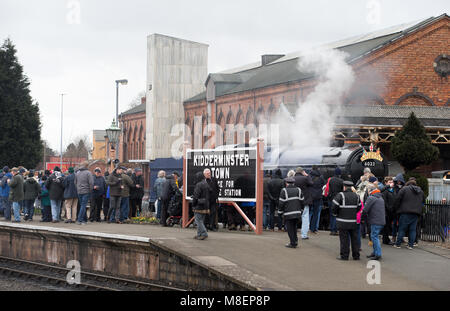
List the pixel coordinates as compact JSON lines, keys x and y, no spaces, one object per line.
{"x":291,"y":202}
{"x":346,"y":205}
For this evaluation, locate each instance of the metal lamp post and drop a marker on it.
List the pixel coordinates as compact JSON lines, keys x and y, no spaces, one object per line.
{"x":113,"y":133}
{"x":123,"y":82}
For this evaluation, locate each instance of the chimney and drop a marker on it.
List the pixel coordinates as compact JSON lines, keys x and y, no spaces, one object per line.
{"x":269,"y":58}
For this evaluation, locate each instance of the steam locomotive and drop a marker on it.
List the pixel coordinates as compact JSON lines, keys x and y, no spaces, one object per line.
{"x":351,"y":159}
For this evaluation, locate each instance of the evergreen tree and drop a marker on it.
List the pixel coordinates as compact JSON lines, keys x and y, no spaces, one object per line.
{"x":20,"y":125}
{"x":411,"y":146}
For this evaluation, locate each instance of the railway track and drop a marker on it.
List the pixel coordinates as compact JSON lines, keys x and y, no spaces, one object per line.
{"x":56,"y":276}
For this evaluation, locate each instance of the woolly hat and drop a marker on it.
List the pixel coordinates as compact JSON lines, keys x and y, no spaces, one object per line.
{"x":57,"y":169}
{"x":71,"y":170}
{"x":337,"y":171}
{"x":372,"y":179}
{"x":6,"y":169}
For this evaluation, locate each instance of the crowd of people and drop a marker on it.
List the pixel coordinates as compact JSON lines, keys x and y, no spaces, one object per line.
{"x":65,"y":196}
{"x":390,"y":209}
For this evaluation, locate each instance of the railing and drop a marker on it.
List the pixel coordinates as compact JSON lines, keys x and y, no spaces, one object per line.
{"x":435,"y":221}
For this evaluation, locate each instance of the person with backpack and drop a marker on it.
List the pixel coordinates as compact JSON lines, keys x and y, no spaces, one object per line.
{"x":334,"y":186}
{"x":45,"y":201}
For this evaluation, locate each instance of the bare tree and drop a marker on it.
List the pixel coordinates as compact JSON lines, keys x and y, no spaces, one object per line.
{"x":137,"y":100}
{"x":80,"y":147}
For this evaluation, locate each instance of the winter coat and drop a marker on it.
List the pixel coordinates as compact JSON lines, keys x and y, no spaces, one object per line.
{"x":276,"y":184}
{"x":31,"y":189}
{"x":336,"y":185}
{"x":201,"y":197}
{"x":375,"y":210}
{"x":70,"y":190}
{"x":45,"y":199}
{"x":114,"y":182}
{"x":101,"y":187}
{"x":84,"y":181}
{"x":318,"y":183}
{"x":304,"y":183}
{"x":389,"y":200}
{"x":55,"y":186}
{"x":214,"y":189}
{"x":16,"y":188}
{"x":135,"y":192}
{"x":410,"y":200}
{"x":4,"y":185}
{"x":266,"y":194}
{"x":157,"y":187}
{"x":127,"y":183}
{"x":169,"y":188}
{"x":345,"y":206}
{"x":291,"y":202}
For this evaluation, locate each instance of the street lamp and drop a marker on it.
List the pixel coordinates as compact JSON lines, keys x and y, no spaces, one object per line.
{"x":113,"y":133}
{"x":123,"y":82}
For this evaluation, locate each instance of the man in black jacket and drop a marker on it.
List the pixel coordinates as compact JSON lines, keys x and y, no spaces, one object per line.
{"x":98,"y":195}
{"x":317,"y":198}
{"x":275,"y":185}
{"x":304,"y":182}
{"x":200,"y":203}
{"x":213,"y":196}
{"x":137,"y":192}
{"x":345,"y":206}
{"x":291,"y":206}
{"x":336,"y":184}
{"x":408,"y":205}
{"x":389,"y":195}
{"x":55,"y":188}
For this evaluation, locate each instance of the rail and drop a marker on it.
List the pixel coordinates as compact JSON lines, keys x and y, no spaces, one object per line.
{"x":90,"y":281}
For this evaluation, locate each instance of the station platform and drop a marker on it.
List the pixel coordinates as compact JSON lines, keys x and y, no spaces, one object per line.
{"x":265,"y":263}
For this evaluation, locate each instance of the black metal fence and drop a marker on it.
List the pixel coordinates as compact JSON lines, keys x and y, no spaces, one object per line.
{"x":435,"y":222}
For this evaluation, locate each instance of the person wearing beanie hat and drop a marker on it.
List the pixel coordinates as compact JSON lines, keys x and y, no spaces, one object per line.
{"x":32,"y":190}
{"x":345,"y":207}
{"x":5,"y":169}
{"x":71,"y":170}
{"x":291,"y":207}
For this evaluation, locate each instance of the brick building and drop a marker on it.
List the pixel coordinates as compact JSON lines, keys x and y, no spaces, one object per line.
{"x":132,"y":140}
{"x":409,"y":65}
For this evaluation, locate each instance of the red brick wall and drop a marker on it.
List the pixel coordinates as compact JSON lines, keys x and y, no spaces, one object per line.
{"x":401,"y":68}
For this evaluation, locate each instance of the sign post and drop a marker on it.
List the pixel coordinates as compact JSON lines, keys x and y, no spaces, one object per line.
{"x":239,"y":173}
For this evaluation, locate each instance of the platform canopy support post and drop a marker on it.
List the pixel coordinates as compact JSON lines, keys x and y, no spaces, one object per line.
{"x":259,"y":185}
{"x":185,"y":208}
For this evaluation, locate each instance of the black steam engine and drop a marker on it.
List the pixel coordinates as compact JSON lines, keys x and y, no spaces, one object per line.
{"x":351,"y":159}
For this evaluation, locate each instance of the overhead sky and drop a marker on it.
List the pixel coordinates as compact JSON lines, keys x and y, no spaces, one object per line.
{"x":80,"y":47}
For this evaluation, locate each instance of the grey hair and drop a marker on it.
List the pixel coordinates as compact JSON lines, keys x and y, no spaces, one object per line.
{"x":371,"y":187}
{"x":291,"y":173}
{"x":161,"y":174}
{"x":206,"y":170}
{"x":367,"y":170}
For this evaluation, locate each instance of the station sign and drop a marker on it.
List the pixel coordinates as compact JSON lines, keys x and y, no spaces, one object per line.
{"x":234,"y":169}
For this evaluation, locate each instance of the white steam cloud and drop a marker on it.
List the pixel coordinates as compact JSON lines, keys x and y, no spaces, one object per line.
{"x":314,"y":119}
